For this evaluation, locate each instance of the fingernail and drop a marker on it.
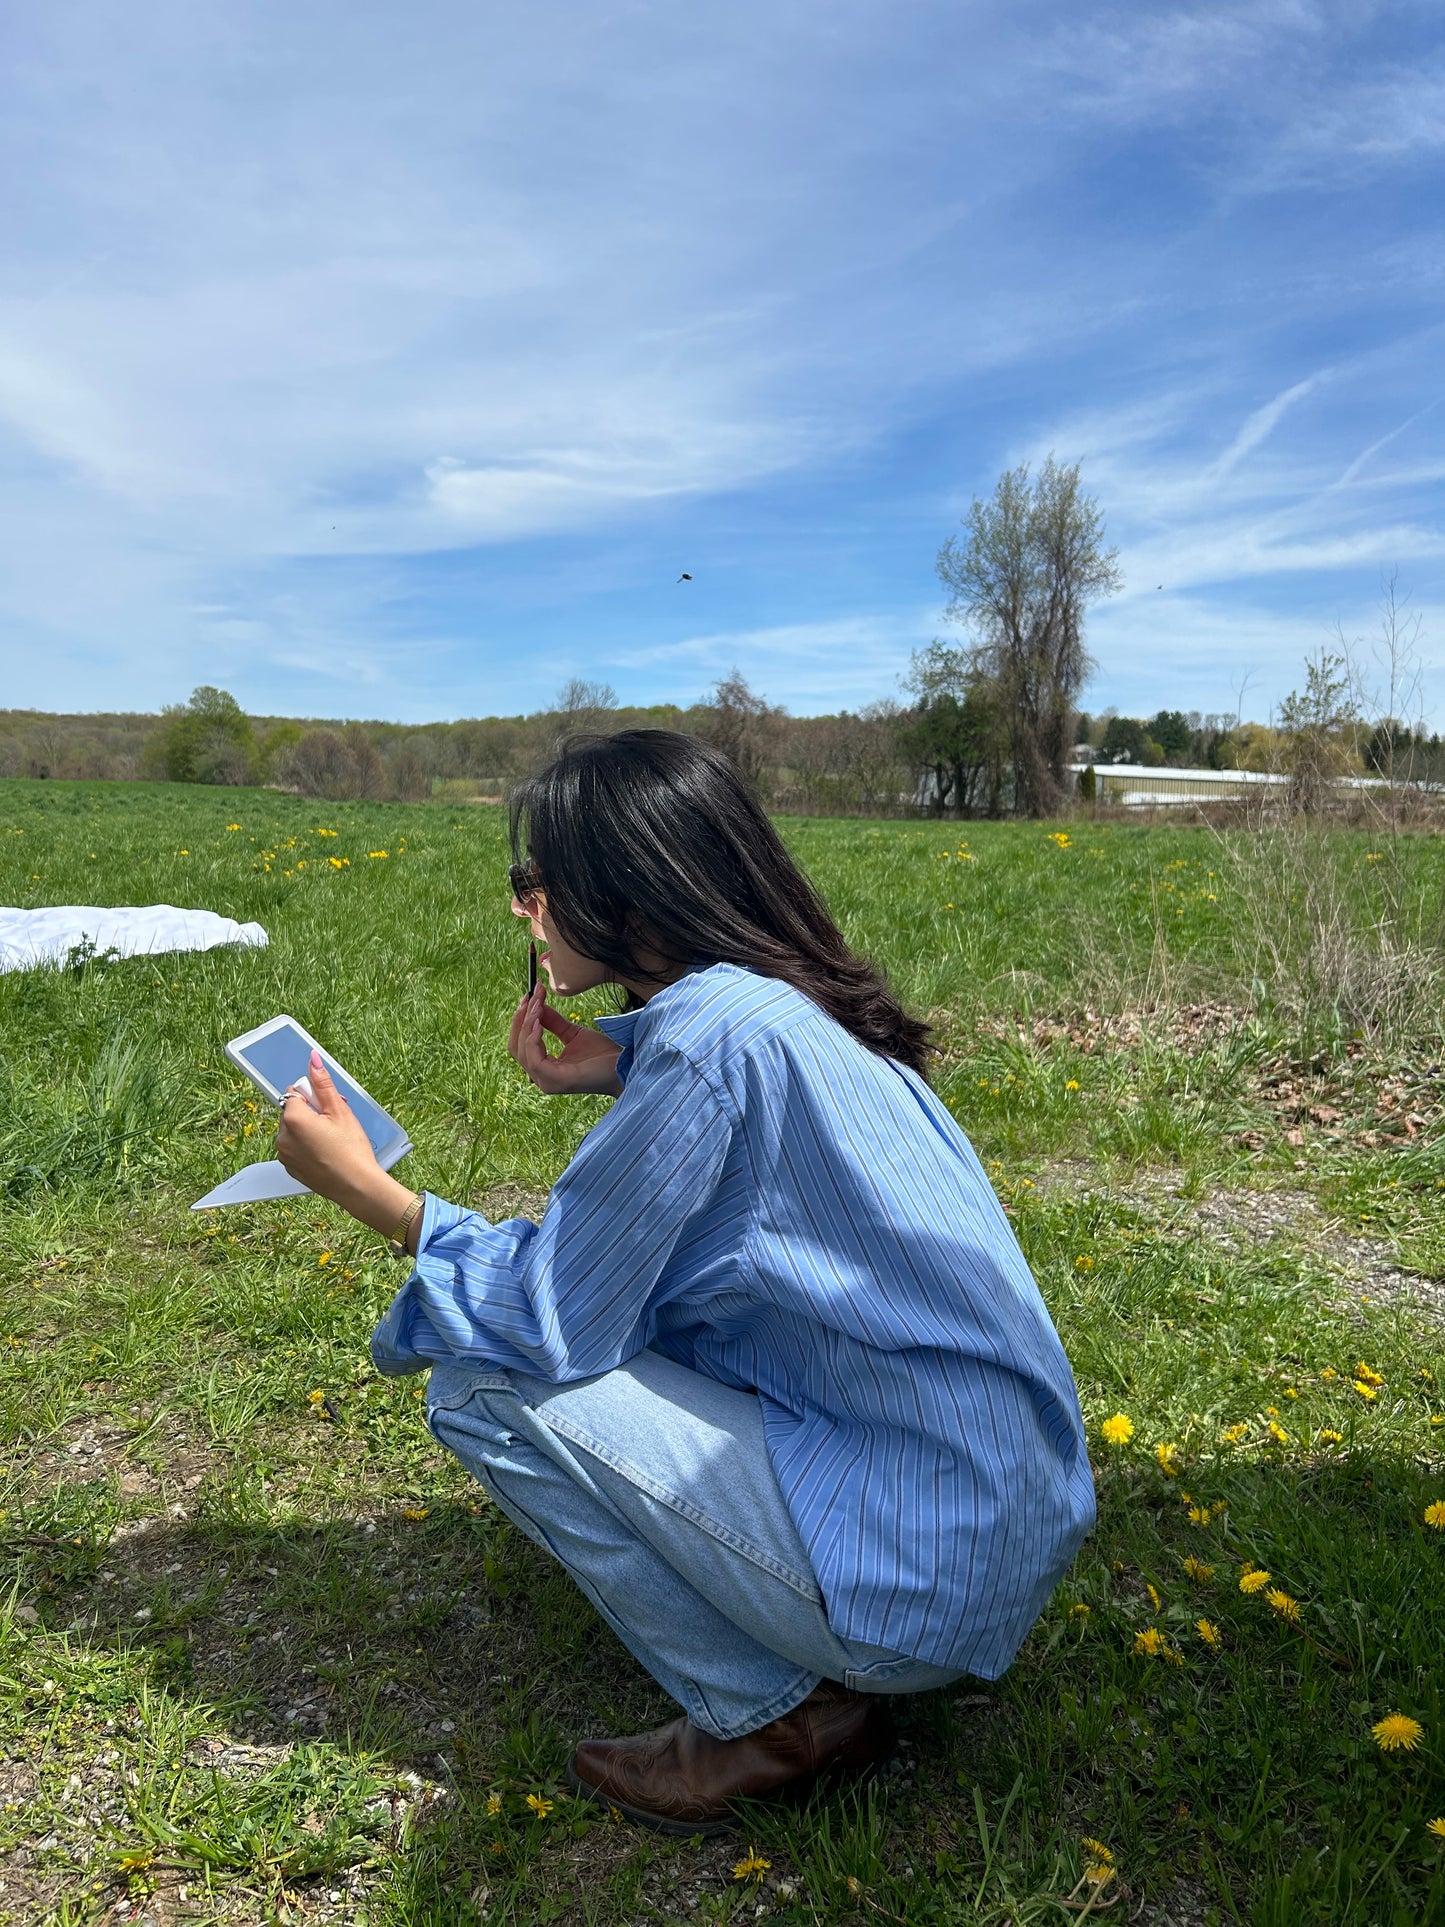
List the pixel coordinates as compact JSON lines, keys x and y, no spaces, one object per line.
{"x":316,"y":1060}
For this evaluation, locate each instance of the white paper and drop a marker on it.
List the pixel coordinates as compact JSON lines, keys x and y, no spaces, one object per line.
{"x":256,"y":1182}
{"x":251,"y":1185}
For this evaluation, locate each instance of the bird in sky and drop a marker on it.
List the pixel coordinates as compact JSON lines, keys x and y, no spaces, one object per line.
{"x":684,"y":577}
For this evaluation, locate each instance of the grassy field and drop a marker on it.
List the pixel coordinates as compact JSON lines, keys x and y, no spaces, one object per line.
{"x":267,"y":1655}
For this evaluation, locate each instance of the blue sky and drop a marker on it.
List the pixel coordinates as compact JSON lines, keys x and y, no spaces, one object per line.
{"x":386,"y":361}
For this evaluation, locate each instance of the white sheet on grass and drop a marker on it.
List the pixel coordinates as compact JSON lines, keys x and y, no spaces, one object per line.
{"x":31,"y":937}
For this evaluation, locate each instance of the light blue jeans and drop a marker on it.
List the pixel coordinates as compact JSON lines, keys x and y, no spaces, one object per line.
{"x":653,"y":1487}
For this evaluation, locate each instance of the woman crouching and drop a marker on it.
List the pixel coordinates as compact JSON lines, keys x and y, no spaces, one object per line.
{"x":771,"y":1378}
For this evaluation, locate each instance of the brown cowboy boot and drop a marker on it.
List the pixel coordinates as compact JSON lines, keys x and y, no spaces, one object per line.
{"x":679,"y":1779}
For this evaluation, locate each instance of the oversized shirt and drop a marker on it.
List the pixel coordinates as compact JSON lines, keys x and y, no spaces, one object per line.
{"x":774,"y":1205}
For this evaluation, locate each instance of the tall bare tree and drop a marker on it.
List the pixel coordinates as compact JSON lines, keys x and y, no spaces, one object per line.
{"x":1021,"y":580}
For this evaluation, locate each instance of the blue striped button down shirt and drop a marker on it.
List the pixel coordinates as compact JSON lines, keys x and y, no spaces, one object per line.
{"x":773,"y":1205}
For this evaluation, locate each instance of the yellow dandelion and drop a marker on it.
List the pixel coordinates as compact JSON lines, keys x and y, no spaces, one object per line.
{"x":1435,"y":1515}
{"x":1329,"y":1436}
{"x":316,"y":1398}
{"x":1096,"y":1850}
{"x":1397,"y":1733}
{"x":1290,"y":1392}
{"x":324,"y":1259}
{"x":1362,"y":1370}
{"x":1080,"y":1611}
{"x":1155,"y":1601}
{"x":1199,"y":1515}
{"x":1168,"y":1457}
{"x":374,"y":854}
{"x":752,"y":1866}
{"x":233,"y":826}
{"x":1117,"y":1430}
{"x":1083,"y":1262}
{"x":1364,"y":1390}
{"x":1072,"y":1085}
{"x":1286,"y":1607}
{"x":1151,"y":1644}
{"x":538,"y":1805}
{"x":1329,"y":1372}
{"x":1235,"y":1434}
{"x":1208,"y":1632}
{"x":1278,"y":1433}
{"x":494,"y":1805}
{"x":1437,"y":1827}
{"x":1198,"y":1571}
{"x":1097,"y":1874}
{"x":414,"y":1511}
{"x":1254,"y":1581}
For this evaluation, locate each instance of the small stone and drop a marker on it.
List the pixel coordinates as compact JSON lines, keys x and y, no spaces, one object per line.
{"x":143,"y":1615}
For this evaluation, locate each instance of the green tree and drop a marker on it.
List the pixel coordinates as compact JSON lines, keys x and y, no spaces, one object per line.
{"x":956,"y":735}
{"x":1022,"y":580}
{"x":1127,"y":740}
{"x":207,"y":740}
{"x":1170,"y":730}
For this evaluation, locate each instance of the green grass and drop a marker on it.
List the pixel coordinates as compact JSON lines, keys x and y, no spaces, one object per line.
{"x":260,"y":1647}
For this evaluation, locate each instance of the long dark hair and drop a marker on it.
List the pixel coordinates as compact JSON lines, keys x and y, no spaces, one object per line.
{"x":650,"y":840}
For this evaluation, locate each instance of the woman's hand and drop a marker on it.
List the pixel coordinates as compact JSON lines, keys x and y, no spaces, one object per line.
{"x":324,"y":1146}
{"x":587,"y":1061}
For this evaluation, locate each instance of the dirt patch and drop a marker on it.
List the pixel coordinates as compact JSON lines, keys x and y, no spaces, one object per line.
{"x":1241,"y":1218}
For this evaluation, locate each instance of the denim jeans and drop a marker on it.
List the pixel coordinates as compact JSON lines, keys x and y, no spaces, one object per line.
{"x":652,"y":1485}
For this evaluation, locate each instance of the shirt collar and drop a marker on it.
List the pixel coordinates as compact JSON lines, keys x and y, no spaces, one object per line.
{"x":621,"y":1027}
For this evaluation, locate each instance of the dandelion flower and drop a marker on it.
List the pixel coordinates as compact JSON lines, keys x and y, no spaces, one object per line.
{"x":1117,"y":1430}
{"x":1363,"y":1371}
{"x":1278,"y":1433}
{"x":1435,"y":1515}
{"x":1155,"y":1601}
{"x":1329,"y":1436}
{"x":1198,"y":1571}
{"x":1286,"y":1607}
{"x":752,"y":1866}
{"x":1208,"y":1632}
{"x":1083,"y":1262}
{"x":1253,"y":1581}
{"x":1397,"y":1733}
{"x":1151,"y":1644}
{"x":1235,"y":1434}
{"x":1072,"y":1085}
{"x":538,"y":1805}
{"x":316,"y":1398}
{"x":1168,"y":1457}
{"x":414,"y":1512}
{"x":324,"y":1259}
{"x":1097,"y":1874}
{"x":1437,"y":1827}
{"x":1199,"y":1515}
{"x":1080,"y":1611}
{"x":1096,"y":1850}
{"x":494,"y":1805}
{"x":1364,"y":1390}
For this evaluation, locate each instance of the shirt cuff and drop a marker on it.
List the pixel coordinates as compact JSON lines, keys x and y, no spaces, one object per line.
{"x":392,"y":1351}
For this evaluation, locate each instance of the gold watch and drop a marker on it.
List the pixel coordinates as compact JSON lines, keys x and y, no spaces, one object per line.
{"x":397,"y":1240}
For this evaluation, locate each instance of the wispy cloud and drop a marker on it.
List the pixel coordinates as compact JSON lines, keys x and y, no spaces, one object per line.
{"x":414,"y":355}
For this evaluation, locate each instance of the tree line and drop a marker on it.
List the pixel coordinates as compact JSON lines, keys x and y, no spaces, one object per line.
{"x":985,"y":723}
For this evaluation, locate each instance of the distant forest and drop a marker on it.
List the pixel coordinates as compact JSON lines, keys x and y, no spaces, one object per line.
{"x":946,"y":751}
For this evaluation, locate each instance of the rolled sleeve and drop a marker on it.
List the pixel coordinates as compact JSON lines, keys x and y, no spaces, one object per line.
{"x":574,"y":1295}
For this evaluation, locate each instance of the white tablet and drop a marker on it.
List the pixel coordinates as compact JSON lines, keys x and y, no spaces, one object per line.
{"x":278,"y":1054}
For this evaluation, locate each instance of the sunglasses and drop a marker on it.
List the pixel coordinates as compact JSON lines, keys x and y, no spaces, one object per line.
{"x":525,"y":881}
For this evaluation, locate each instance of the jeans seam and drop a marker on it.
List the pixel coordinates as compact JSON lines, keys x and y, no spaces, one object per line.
{"x":725,"y":1535}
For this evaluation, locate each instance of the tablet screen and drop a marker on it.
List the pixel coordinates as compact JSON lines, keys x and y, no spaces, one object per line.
{"x":281,"y":1056}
